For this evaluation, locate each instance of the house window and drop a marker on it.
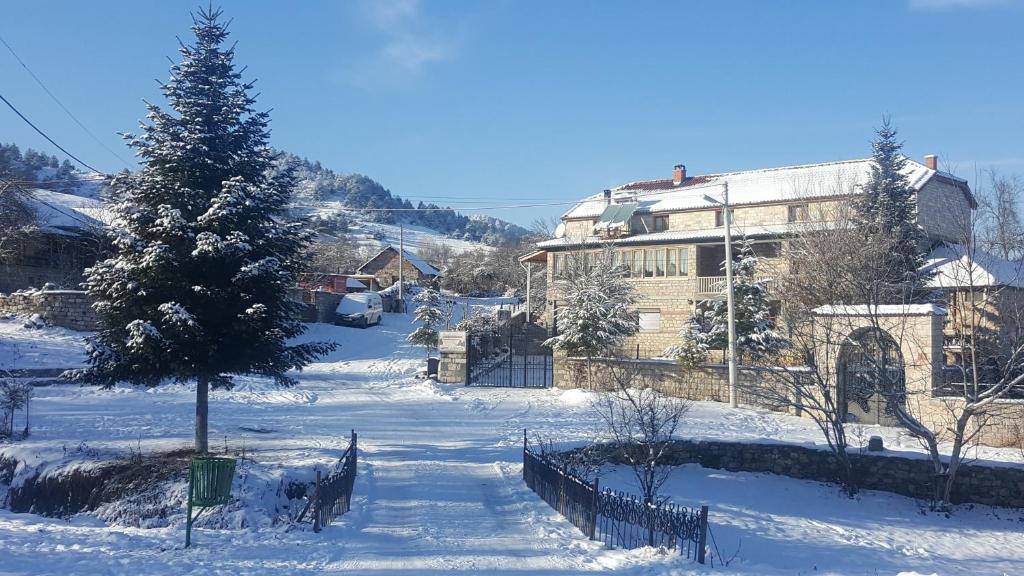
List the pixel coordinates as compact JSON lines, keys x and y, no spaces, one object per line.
{"x":673,"y":262}
{"x":660,"y":223}
{"x":650,"y":320}
{"x":720,"y":219}
{"x":684,"y":261}
{"x":638,"y":263}
{"x":659,"y":264}
{"x":559,"y":262}
{"x":797,"y":213}
{"x":648,"y":263}
{"x":767,"y":250}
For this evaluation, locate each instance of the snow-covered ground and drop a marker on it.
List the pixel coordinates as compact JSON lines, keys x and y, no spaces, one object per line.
{"x":439,"y":490}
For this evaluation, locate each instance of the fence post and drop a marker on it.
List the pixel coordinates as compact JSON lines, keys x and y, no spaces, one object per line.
{"x":316,"y":504}
{"x":561,"y":493}
{"x":526,"y":361}
{"x":511,"y":363}
{"x":703,"y":535}
{"x":594,"y":506}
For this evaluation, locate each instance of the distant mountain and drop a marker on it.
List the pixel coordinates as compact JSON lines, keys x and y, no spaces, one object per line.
{"x":33,"y":169}
{"x":328,"y":194}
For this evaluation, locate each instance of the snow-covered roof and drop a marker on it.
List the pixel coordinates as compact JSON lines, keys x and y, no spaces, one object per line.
{"x":955,"y":266}
{"x":750,"y":187}
{"x":880,"y":310}
{"x":705,"y":235}
{"x":417,"y":262}
{"x":62,"y":213}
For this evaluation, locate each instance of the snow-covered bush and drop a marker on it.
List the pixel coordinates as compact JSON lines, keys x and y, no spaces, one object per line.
{"x":432,"y":312}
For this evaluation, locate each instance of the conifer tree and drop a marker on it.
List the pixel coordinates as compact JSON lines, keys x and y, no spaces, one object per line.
{"x":708,"y":329}
{"x":598,"y":313}
{"x":888,"y":206}
{"x":430,"y":313}
{"x":197,"y":290}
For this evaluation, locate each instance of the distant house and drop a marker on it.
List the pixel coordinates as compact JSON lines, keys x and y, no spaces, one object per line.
{"x":981,"y":290}
{"x":339,"y":283}
{"x":384,"y":267}
{"x":69,"y":237}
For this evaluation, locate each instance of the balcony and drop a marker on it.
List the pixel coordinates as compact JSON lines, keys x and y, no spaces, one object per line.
{"x":715,"y":285}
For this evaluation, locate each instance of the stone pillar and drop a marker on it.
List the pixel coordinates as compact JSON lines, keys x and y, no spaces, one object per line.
{"x":454,"y":350}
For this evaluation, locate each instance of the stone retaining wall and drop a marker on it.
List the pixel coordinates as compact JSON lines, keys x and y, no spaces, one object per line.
{"x":68,"y":308}
{"x":708,"y":383}
{"x":913,"y":477}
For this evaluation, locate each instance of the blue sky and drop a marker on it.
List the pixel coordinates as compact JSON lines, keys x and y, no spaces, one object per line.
{"x":482,"y":103}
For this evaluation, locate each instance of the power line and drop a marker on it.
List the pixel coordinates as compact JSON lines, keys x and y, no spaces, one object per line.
{"x":465,"y":208}
{"x":61,"y":104}
{"x":43,"y":134}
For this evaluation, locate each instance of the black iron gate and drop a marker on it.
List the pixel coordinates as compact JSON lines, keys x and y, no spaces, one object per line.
{"x":511,"y":359}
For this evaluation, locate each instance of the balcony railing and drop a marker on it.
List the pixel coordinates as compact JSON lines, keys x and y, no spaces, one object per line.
{"x":716,"y":284}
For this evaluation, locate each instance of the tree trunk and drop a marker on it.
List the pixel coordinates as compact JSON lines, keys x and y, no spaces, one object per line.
{"x":202,"y":414}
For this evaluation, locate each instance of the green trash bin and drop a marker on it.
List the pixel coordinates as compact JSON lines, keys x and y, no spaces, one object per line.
{"x":209,"y":484}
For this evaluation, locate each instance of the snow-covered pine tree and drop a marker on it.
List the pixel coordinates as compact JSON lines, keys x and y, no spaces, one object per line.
{"x":430,"y":313}
{"x":597,"y":316}
{"x":197,"y":289}
{"x":888,"y":206}
{"x":708,"y":328}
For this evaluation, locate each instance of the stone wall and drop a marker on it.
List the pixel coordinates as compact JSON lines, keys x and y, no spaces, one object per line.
{"x":708,"y":383}
{"x":68,"y":308}
{"x":993,"y":485}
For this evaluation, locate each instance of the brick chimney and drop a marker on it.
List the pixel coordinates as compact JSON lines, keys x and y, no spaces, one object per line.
{"x":607,"y":197}
{"x":931,"y":161}
{"x":678,"y":174}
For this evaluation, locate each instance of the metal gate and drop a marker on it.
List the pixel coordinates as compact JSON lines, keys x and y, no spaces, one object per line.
{"x":512,"y":359}
{"x":872,"y":379}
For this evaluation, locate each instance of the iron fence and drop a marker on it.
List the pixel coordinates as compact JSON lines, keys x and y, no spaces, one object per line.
{"x":332,"y":496}
{"x":512,"y":360}
{"x":618,"y":519}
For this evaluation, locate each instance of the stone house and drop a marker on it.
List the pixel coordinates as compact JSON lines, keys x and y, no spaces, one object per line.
{"x":669,"y":233}
{"x":669,"y":236}
{"x":68,"y":238}
{"x":984,"y":296}
{"x":384,"y":267}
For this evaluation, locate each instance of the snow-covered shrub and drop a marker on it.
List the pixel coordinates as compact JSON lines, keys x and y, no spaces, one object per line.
{"x":429,"y":314}
{"x":708,"y":327}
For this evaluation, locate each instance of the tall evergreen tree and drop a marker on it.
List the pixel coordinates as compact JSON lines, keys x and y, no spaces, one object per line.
{"x":888,"y":206}
{"x":198,"y":287}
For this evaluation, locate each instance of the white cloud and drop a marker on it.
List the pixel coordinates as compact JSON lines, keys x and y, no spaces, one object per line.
{"x":954,"y":4}
{"x":385,"y":13}
{"x":413,"y":53}
{"x":409,"y":41}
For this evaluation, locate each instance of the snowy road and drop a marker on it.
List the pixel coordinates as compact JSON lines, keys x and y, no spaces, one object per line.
{"x":439,"y":490}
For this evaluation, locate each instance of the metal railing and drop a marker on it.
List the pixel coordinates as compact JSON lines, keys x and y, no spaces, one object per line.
{"x":332,"y":496}
{"x":716,"y":284}
{"x":616,"y":518}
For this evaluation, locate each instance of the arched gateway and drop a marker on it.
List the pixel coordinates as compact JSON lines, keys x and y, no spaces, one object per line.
{"x":872,"y":378}
{"x":874,"y":370}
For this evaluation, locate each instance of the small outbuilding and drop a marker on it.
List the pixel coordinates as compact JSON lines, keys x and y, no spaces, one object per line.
{"x":384,"y":266}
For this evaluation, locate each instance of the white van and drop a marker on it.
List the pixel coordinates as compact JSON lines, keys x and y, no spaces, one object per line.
{"x":360,"y":309}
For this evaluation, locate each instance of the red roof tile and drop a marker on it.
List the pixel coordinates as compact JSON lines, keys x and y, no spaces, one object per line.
{"x":665,"y":184}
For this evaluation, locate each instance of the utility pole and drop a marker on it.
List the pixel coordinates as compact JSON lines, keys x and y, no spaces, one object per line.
{"x":730,"y":300}
{"x":401,"y":268}
{"x":528,"y":268}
